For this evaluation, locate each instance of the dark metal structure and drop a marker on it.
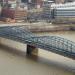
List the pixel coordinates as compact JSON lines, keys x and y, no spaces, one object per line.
{"x":51,"y":43}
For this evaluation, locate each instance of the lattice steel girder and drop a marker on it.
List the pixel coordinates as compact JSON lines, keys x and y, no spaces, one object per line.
{"x":51,"y":43}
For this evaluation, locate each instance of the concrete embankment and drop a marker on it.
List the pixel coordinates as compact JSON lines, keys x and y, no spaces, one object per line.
{"x":42,"y":27}
{"x":46,"y":27}
{"x":49,"y":28}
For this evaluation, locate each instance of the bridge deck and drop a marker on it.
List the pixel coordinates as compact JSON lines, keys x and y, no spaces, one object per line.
{"x":51,"y":43}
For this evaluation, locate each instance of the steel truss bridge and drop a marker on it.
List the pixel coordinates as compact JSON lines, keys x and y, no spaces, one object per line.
{"x":54,"y":44}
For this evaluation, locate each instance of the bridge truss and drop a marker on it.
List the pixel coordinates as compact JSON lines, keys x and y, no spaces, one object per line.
{"x":50,"y":43}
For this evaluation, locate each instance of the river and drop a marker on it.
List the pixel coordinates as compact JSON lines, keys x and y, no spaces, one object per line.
{"x":47,"y":63}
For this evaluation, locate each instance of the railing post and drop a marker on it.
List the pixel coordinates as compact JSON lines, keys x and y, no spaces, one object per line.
{"x":31,"y":50}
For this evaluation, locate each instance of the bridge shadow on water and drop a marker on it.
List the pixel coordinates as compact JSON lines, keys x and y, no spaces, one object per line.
{"x":36,"y":58}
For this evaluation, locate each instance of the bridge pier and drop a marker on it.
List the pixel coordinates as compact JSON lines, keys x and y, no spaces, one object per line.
{"x":31,"y":50}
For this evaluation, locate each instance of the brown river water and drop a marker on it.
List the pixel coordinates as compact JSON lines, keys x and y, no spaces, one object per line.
{"x":46,"y":63}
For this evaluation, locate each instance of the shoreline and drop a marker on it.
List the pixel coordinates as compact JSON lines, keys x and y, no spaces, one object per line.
{"x":43,"y":27}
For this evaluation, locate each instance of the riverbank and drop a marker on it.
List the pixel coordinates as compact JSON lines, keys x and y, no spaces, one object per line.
{"x":43,"y":27}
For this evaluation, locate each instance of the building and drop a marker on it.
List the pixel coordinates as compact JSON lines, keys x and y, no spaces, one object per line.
{"x":62,"y":1}
{"x":69,"y":0}
{"x":59,"y":1}
{"x":34,"y":3}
